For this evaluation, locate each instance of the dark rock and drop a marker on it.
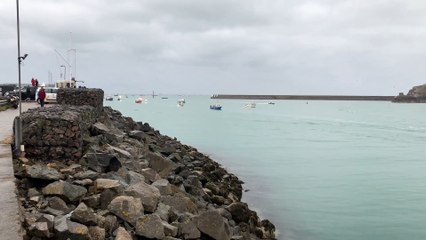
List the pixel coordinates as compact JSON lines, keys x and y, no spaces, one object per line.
{"x":86,"y":175}
{"x":102,"y":162}
{"x":43,"y":172}
{"x":214,"y":225}
{"x":84,"y":215}
{"x":179,"y":202}
{"x":189,"y":230}
{"x":163,"y":186}
{"x":139,"y":135}
{"x":150,"y":174}
{"x":240,"y":212}
{"x":93,"y":201}
{"x":150,"y":226}
{"x":160,"y":164}
{"x":65,"y":190}
{"x":127,"y":208}
{"x":102,"y":183}
{"x":106,"y":197}
{"x":170,"y":230}
{"x":66,"y":229}
{"x":96,"y":233}
{"x":122,"y":234}
{"x":40,"y":229}
{"x":58,"y":204}
{"x":49,"y":220}
{"x":148,"y":194}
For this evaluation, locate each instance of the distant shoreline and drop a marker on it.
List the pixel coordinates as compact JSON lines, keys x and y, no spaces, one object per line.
{"x":304,"y":97}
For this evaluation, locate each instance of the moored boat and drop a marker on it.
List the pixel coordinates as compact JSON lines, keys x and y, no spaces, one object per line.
{"x":250,"y":105}
{"x":181,"y":102}
{"x":215,"y":107}
{"x":139,"y":100}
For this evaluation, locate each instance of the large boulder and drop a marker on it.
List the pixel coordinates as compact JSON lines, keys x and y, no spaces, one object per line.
{"x":84,"y":215}
{"x":127,"y":208}
{"x":180,"y":203}
{"x":214,"y":225}
{"x":65,"y":190}
{"x":150,"y":226}
{"x":67,"y":229}
{"x":148,"y":194}
{"x":44,"y":172}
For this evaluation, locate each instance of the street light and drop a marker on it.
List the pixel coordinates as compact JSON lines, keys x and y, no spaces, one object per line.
{"x":65,"y":71}
{"x":18,"y":123}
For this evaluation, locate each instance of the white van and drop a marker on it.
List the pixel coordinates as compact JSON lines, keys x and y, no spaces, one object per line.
{"x":50,"y":94}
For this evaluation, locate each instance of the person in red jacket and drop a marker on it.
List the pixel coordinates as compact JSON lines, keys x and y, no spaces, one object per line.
{"x":42,"y":96}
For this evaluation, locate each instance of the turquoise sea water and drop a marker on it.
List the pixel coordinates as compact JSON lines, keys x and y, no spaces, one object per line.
{"x":319,"y":170}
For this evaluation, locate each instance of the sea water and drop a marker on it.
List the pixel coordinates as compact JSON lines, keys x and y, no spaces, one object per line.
{"x":319,"y":170}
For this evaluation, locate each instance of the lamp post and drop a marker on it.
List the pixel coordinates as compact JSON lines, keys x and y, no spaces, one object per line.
{"x":65,"y":71}
{"x":18,"y":122}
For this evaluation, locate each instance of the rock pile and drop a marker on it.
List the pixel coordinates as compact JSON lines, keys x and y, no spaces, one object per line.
{"x":130,"y":182}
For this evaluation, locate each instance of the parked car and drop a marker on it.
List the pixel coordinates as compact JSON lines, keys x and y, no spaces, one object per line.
{"x":26,"y":93}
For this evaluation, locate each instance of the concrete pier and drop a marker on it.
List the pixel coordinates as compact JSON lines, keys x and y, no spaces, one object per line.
{"x":305,"y":97}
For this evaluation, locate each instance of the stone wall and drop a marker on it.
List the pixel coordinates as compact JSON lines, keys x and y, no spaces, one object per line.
{"x":81,"y":96}
{"x":56,"y":132}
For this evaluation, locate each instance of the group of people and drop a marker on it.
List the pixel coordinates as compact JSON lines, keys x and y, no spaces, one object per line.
{"x":34,"y":82}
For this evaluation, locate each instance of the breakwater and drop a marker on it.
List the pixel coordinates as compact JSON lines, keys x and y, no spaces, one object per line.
{"x":305,"y":97}
{"x":91,"y":173}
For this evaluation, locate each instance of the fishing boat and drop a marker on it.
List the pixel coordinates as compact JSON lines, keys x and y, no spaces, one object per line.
{"x":215,"y":107}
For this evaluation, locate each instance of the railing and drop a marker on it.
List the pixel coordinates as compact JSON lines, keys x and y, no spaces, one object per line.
{"x":3,"y":102}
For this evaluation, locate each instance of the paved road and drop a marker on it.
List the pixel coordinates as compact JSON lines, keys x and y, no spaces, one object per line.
{"x":9,"y":214}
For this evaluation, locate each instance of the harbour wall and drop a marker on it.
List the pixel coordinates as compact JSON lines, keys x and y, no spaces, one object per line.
{"x":305,"y":97}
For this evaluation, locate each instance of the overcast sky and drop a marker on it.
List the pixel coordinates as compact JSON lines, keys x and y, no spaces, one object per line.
{"x":363,"y":47}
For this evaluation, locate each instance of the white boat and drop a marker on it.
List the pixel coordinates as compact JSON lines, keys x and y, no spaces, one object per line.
{"x":119,"y":98}
{"x":181,"y":102}
{"x":109,"y":98}
{"x":139,"y":100}
{"x":250,"y":105}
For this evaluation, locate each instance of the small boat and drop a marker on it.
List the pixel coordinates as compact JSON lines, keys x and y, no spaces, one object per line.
{"x":215,"y":107}
{"x":250,"y":105}
{"x":181,"y":102}
{"x":119,"y":98}
{"x":164,"y":98}
{"x":109,"y":98}
{"x":272,"y":103}
{"x":139,"y":100}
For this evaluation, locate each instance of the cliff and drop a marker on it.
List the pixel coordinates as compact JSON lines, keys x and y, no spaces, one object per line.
{"x":416,"y":95}
{"x":91,"y":173}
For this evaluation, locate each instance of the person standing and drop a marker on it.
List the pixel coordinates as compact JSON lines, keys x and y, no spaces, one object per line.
{"x":32,"y":82}
{"x":36,"y":82}
{"x":42,"y":96}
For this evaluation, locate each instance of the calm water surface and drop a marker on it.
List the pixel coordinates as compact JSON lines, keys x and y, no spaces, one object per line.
{"x":319,"y":170}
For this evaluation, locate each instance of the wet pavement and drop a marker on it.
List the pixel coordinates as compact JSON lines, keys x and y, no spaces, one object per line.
{"x":9,"y":215}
